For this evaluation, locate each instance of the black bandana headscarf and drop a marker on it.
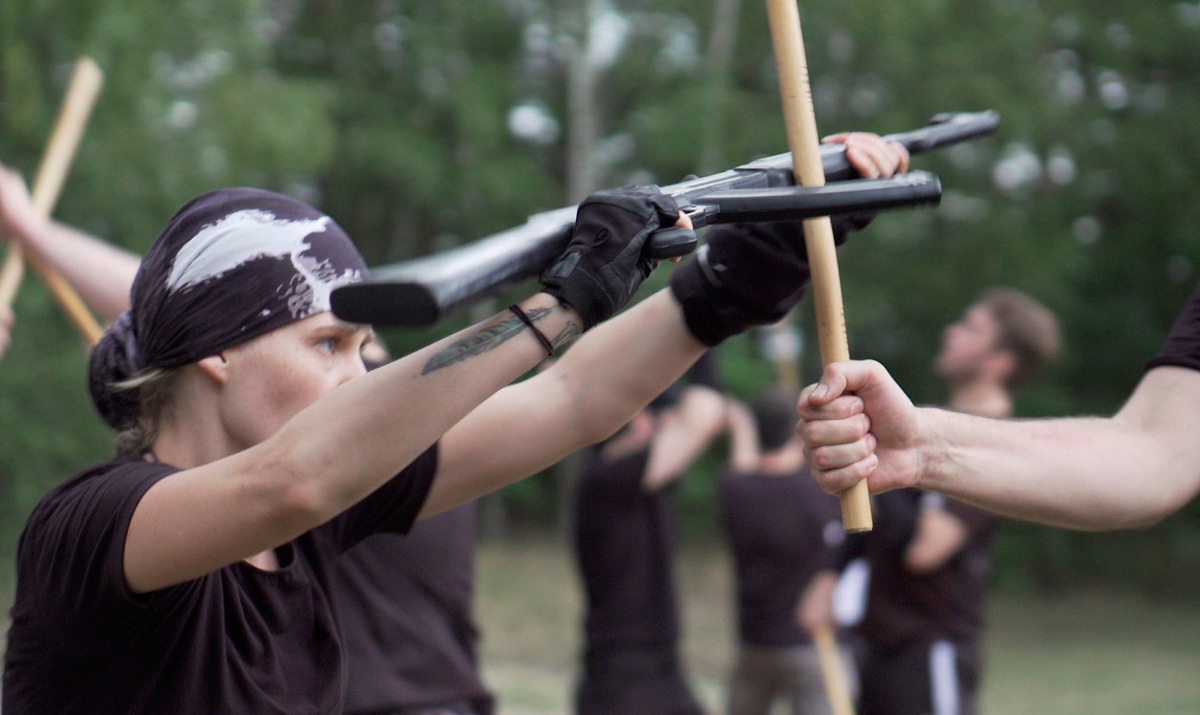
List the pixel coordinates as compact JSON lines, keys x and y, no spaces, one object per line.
{"x":231,"y":265}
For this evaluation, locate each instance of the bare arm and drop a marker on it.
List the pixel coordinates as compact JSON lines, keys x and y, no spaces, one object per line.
{"x":938,"y":537}
{"x":597,"y":386}
{"x":330,"y":455}
{"x":100,"y":272}
{"x":1127,"y":471}
{"x":814,"y":610}
{"x":744,"y":450}
{"x":684,"y":434}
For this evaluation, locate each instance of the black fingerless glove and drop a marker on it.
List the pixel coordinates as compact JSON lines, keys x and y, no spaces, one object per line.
{"x":745,"y":275}
{"x":603,"y":265}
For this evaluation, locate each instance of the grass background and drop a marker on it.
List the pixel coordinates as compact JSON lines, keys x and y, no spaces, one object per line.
{"x":1086,"y":652}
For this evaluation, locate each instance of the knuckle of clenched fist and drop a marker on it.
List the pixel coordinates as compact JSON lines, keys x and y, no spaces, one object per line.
{"x":823,"y":459}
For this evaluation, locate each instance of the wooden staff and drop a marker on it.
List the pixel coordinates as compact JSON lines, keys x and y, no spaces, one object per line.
{"x":72,"y":118}
{"x":832,"y":673}
{"x":804,"y":144}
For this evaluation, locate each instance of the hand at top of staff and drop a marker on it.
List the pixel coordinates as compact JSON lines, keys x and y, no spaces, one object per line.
{"x":870,"y":155}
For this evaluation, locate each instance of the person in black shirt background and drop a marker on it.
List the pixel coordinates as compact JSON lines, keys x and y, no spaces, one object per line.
{"x":930,"y":557}
{"x":783,"y":532}
{"x":625,"y":549}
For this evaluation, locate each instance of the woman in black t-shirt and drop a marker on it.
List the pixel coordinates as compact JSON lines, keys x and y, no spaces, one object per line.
{"x":191,"y":573}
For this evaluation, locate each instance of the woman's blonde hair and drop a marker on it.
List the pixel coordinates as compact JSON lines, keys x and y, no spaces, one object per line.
{"x":153,"y":390}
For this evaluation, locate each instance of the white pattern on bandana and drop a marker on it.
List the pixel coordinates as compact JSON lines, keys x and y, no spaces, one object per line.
{"x":259,"y":234}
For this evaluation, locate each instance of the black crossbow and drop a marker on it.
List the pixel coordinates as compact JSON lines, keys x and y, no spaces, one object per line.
{"x":425,"y":290}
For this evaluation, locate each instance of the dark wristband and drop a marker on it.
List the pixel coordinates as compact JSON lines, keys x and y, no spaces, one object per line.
{"x":516,"y":310}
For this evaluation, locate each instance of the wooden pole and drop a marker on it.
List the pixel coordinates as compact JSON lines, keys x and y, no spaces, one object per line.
{"x":73,"y":117}
{"x":832,"y":672}
{"x":804,"y":144}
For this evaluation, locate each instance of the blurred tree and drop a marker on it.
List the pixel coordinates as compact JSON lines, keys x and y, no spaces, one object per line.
{"x":421,"y":124}
{"x":189,"y":104}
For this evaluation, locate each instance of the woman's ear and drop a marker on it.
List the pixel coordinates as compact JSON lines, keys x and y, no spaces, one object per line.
{"x":214,"y":366}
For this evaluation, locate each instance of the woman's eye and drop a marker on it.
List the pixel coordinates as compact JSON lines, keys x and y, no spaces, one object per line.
{"x":328,"y":345}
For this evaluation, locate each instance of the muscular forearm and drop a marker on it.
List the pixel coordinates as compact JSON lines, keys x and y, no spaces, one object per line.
{"x":596,"y":387}
{"x":1090,"y":473}
{"x":326,"y":458}
{"x":744,"y":450}
{"x":617,"y":368}
{"x":395,"y":412}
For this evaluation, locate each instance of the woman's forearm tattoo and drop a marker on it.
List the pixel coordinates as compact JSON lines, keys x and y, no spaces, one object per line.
{"x":477,"y":344}
{"x":569,"y":332}
{"x":491,"y":338}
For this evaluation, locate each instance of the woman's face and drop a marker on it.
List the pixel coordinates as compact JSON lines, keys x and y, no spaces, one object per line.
{"x":273,"y":377}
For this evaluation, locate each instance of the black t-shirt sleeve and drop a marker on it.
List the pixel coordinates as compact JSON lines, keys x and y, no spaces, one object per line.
{"x":854,"y":546}
{"x":392,"y":507}
{"x":72,"y":551}
{"x":895,"y":524}
{"x":1182,"y":345}
{"x":897,"y":512}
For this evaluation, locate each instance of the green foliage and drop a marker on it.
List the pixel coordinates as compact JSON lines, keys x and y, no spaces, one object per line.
{"x":48,"y":429}
{"x":394,"y":116}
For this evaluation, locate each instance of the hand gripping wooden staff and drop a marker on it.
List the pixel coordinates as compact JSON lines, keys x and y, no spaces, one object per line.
{"x":72,"y":118}
{"x":804,"y":144}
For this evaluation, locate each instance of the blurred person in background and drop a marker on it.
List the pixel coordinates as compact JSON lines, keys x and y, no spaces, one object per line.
{"x":783,"y":532}
{"x":625,"y":538}
{"x":930,"y":557}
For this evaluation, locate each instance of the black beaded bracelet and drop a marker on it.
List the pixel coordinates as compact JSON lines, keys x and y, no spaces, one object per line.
{"x":516,"y":309}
